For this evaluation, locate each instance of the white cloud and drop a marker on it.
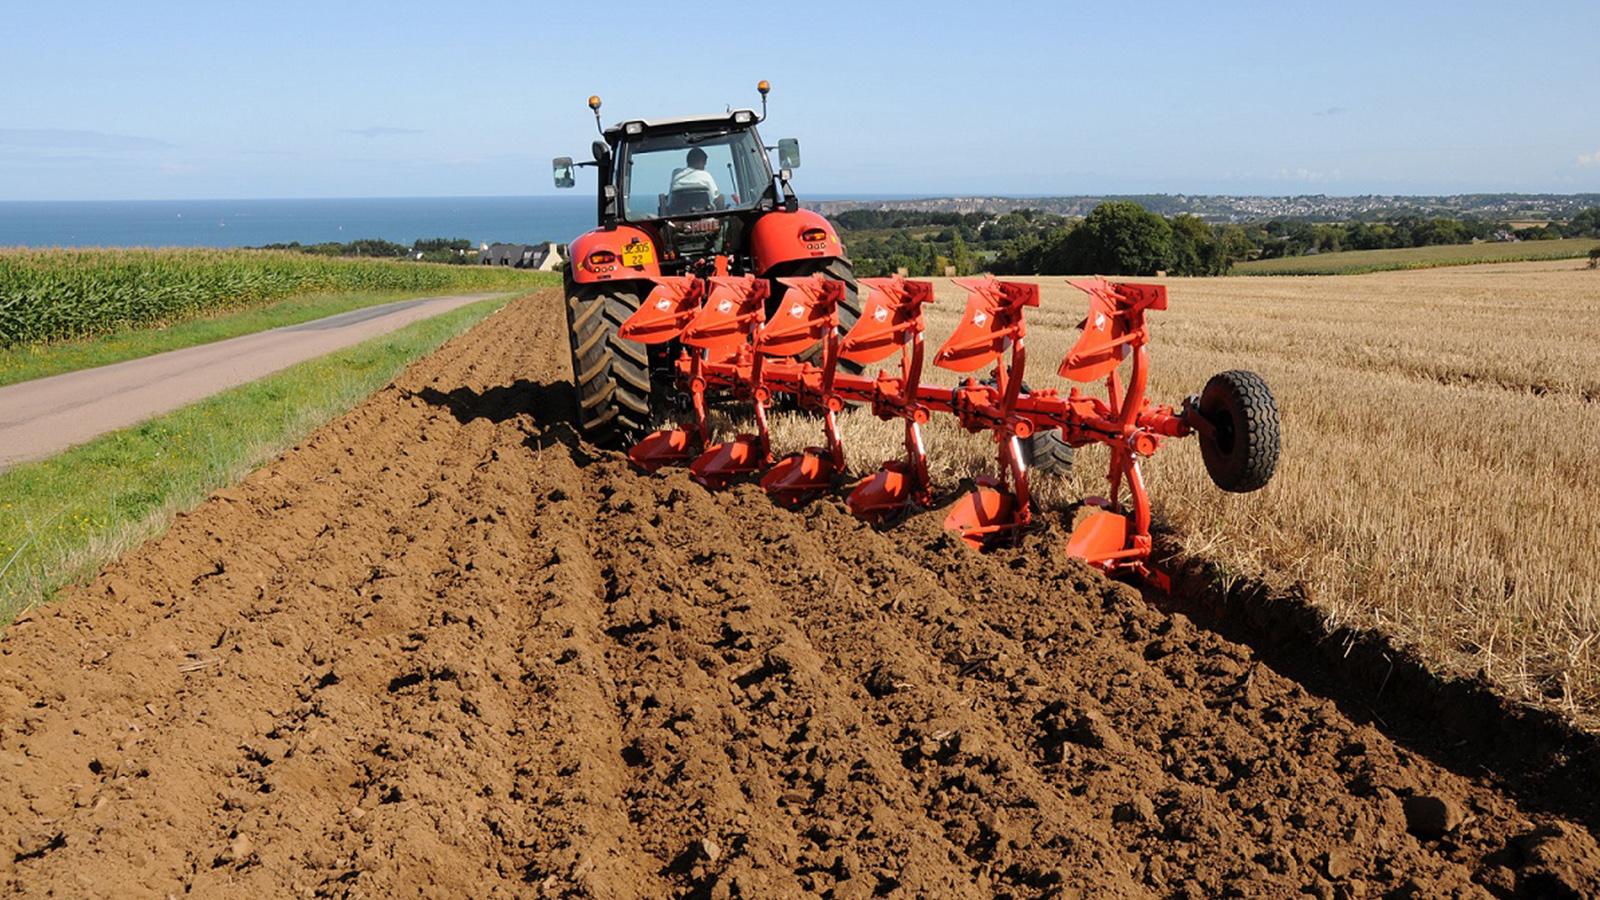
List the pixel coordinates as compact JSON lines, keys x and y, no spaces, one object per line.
{"x":1589,"y":159}
{"x":1307,"y":175}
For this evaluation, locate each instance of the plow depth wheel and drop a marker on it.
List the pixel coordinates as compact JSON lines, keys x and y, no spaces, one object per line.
{"x":1241,"y":452}
{"x":611,"y":375}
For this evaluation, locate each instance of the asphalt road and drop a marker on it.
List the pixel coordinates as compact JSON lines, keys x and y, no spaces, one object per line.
{"x":42,"y":417}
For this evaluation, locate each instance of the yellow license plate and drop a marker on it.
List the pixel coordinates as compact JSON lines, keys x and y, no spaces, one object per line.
{"x":639,"y":254}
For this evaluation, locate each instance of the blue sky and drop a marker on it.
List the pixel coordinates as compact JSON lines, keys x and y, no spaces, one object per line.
{"x":289,"y":99}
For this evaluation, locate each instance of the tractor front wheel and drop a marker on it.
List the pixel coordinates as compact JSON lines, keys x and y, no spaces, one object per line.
{"x":1240,"y":448}
{"x":611,"y":376}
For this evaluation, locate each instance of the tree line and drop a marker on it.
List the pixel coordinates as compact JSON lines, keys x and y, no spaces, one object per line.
{"x":1121,"y":237}
{"x":459,"y":251}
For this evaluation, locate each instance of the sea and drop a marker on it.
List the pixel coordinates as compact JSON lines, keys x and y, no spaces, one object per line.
{"x":254,"y":223}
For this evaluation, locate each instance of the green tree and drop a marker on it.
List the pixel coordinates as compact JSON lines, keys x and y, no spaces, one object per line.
{"x":1233,"y":245}
{"x":961,"y":257}
{"x":1117,"y":238}
{"x":1585,"y":224}
{"x":1194,"y":250}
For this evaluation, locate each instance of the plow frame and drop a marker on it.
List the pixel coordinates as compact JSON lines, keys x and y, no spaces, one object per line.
{"x":728,"y":346}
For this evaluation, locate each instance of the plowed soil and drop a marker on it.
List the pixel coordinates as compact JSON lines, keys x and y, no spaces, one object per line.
{"x":444,"y":648}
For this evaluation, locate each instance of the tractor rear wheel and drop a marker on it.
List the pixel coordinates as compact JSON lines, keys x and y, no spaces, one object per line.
{"x":1044,"y":451}
{"x":1241,"y":452}
{"x":611,"y":376}
{"x":849,"y":308}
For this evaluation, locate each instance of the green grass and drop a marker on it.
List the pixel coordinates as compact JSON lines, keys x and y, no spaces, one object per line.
{"x":1356,"y":262}
{"x":56,"y":295}
{"x":41,"y":360}
{"x":62,"y":518}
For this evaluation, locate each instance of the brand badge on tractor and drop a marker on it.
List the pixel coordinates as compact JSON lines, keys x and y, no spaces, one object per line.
{"x":797,"y":311}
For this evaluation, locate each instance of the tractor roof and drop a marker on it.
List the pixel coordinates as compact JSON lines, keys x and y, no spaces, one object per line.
{"x":732,"y":117}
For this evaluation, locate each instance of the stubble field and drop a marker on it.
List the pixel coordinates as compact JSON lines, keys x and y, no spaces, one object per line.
{"x":1437,"y":480}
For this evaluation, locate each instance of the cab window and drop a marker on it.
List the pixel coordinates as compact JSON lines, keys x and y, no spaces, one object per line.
{"x":656,"y":181}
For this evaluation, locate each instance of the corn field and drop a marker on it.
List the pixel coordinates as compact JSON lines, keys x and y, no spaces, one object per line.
{"x":52,"y":295}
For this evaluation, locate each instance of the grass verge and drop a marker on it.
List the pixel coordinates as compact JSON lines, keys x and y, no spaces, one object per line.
{"x":62,"y":518}
{"x":1358,"y":262}
{"x":25,"y":363}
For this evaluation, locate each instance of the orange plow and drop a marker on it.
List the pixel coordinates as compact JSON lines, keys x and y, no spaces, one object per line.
{"x":891,"y":324}
{"x":734,"y":344}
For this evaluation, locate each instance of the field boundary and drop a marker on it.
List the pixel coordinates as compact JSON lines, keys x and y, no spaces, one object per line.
{"x":1537,"y":754}
{"x":41,"y":418}
{"x":54,"y":295}
{"x":32,"y":361}
{"x":66,"y":516}
{"x":1400,"y":259}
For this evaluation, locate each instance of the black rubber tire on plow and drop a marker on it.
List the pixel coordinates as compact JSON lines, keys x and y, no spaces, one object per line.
{"x":1241,"y":452}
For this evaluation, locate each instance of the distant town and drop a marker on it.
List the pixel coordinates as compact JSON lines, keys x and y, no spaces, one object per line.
{"x":1224,"y":208}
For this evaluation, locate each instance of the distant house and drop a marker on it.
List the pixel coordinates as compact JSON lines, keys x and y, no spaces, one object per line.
{"x":540,"y":257}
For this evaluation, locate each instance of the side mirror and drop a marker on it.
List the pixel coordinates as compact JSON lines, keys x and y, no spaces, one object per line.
{"x":561,"y":167}
{"x":788,"y":153}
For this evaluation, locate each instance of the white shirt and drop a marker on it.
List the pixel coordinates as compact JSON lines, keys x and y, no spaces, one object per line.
{"x":691,"y":177}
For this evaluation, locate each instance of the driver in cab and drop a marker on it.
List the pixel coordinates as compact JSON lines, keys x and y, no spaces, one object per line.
{"x":695,"y":178}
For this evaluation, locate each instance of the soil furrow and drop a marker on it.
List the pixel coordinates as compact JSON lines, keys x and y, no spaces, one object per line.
{"x":444,"y":647}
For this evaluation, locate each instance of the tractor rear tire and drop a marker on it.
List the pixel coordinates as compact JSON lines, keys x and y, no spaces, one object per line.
{"x":611,"y":376}
{"x":1241,"y":453}
{"x":1044,"y":451}
{"x":849,"y":307}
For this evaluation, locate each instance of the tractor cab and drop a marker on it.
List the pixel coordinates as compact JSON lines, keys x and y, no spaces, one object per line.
{"x":696,"y":185}
{"x":688,"y":167}
{"x":692,"y":196}
{"x":699,"y":183}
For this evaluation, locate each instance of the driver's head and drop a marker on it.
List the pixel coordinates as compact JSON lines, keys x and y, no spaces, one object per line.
{"x":697,"y":158}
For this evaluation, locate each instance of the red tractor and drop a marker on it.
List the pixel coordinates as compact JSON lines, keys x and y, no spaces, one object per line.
{"x":689,"y":196}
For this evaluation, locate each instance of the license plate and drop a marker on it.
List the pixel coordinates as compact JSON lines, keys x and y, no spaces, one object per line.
{"x":638,"y":254}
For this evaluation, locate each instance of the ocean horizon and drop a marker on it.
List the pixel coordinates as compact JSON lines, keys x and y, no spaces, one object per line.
{"x":254,"y":223}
